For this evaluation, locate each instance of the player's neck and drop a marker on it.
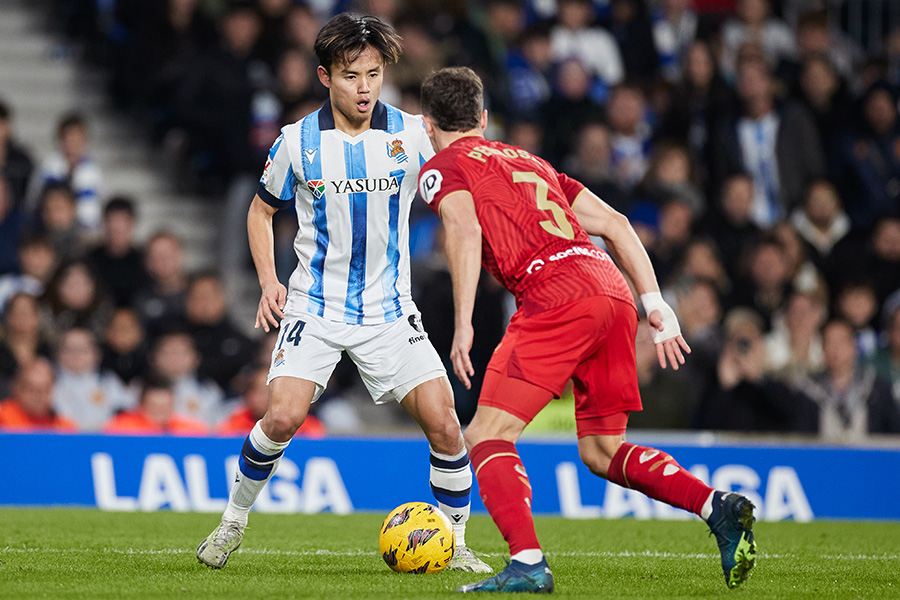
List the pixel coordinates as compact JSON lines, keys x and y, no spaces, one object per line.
{"x":445,"y":138}
{"x":351,"y":128}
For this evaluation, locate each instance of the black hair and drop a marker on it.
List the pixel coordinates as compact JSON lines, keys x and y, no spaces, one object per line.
{"x":343,"y":38}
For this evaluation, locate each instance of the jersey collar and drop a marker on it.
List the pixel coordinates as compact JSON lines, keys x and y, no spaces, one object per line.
{"x":379,"y":116}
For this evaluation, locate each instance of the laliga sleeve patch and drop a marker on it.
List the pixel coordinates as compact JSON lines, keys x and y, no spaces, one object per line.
{"x":430,"y":184}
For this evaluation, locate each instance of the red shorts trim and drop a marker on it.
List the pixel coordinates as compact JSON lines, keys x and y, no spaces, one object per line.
{"x":591,"y":341}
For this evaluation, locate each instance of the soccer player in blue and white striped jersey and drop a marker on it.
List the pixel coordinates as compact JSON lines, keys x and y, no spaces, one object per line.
{"x":351,"y":171}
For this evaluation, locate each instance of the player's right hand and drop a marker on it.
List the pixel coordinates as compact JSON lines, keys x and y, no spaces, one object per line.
{"x":459,"y":354}
{"x":271,"y":306}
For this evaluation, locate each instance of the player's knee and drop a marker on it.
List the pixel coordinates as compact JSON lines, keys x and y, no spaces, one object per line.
{"x":284,"y":421}
{"x":595,"y":459}
{"x":445,"y":437}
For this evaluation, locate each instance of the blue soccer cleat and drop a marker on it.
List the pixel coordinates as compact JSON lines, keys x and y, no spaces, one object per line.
{"x":731,"y":522}
{"x":516,"y":577}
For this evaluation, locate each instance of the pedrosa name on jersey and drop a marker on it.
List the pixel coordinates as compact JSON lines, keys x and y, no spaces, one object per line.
{"x":355,"y":186}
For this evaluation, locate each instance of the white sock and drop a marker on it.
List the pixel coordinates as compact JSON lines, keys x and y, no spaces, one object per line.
{"x":451,"y":484}
{"x":529,"y":557}
{"x":706,"y":511}
{"x":259,"y":461}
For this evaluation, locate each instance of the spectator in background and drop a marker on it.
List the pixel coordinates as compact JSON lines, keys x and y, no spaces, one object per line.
{"x":591,"y":164}
{"x":37,"y":260}
{"x":10,"y":229}
{"x":767,"y":284}
{"x":155,"y":414}
{"x":529,"y":66}
{"x":632,"y":29}
{"x":294,"y":87}
{"x":215,"y":100}
{"x":868,"y":169}
{"x":825,"y":96}
{"x":794,"y":346}
{"x":161,"y":300}
{"x":730,"y":224}
{"x":273,"y":37}
{"x":755,"y":23}
{"x":74,"y":298}
{"x":15,"y":163}
{"x":254,"y":402}
{"x":698,"y":104}
{"x":821,"y":220}
{"x":576,"y":37}
{"x":21,"y":339}
{"x":674,"y":31}
{"x":742,"y":397}
{"x":852,"y":401}
{"x":301,"y":25}
{"x":124,"y":347}
{"x":223,"y":349}
{"x":665,"y":395}
{"x":675,"y":227}
{"x":568,"y":110}
{"x":421,"y":56}
{"x":118,"y":264}
{"x":857,"y":304}
{"x":816,"y":38}
{"x":777,"y":144}
{"x":30,"y":408}
{"x":883,"y":262}
{"x":631,"y":134}
{"x":699,"y":309}
{"x":802,"y":272}
{"x":84,"y":393}
{"x":72,"y":166}
{"x":175,"y":358}
{"x":58,"y":216}
{"x":670,"y":176}
{"x":887,"y":360}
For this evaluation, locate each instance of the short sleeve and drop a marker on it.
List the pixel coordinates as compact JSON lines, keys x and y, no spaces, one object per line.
{"x":278,"y":181}
{"x":570,"y":187}
{"x":440,"y":177}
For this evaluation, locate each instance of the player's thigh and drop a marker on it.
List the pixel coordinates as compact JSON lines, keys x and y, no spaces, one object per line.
{"x":545,"y":348}
{"x":308,"y":348}
{"x":605,"y":383}
{"x":395,"y":358}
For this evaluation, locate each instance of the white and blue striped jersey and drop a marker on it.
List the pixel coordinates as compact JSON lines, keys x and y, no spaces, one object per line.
{"x":353,"y":196}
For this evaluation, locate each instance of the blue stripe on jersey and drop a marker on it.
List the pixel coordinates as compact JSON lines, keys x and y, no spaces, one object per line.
{"x":355,"y":160}
{"x":422,"y":160}
{"x":394,"y":119}
{"x":391,"y":302}
{"x":290,"y":182}
{"x":311,"y":143}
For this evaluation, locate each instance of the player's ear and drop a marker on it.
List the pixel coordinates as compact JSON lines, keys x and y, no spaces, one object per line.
{"x":484,"y":120}
{"x":429,"y":125}
{"x":324,"y":76}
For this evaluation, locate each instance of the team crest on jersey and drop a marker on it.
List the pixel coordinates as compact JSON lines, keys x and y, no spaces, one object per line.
{"x":279,"y":358}
{"x":395,"y":150}
{"x":316,"y":186}
{"x":265,"y":175}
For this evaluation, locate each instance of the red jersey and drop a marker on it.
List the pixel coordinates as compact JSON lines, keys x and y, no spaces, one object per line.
{"x":531,"y":240}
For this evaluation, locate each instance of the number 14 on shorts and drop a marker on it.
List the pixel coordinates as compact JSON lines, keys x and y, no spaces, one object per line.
{"x":290,"y":333}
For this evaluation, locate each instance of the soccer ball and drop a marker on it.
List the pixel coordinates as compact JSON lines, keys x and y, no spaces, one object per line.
{"x":416,"y":537}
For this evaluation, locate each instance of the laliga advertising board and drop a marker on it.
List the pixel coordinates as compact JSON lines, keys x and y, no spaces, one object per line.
{"x":799,"y":482}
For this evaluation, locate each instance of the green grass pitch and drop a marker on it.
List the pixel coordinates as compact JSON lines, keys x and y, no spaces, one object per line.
{"x":59,"y":553}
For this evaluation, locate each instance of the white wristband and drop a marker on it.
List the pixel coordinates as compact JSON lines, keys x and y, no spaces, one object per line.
{"x":654,"y":301}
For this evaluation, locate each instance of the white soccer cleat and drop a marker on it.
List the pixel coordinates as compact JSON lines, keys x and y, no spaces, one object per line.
{"x":465,"y":560}
{"x":218,"y":545}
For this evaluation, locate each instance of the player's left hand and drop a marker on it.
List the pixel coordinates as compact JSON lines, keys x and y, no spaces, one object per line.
{"x":668,"y":338}
{"x":459,"y":354}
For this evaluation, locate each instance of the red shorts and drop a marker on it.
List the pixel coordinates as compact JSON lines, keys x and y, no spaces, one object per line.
{"x":590,"y":341}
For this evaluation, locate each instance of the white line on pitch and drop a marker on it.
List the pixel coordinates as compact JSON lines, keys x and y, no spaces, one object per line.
{"x":276,"y":552}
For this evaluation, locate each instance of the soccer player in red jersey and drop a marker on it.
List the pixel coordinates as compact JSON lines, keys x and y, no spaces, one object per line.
{"x":528,"y":225}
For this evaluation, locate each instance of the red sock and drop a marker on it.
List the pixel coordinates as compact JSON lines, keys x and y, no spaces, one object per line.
{"x":506,"y":492}
{"x":656,"y":474}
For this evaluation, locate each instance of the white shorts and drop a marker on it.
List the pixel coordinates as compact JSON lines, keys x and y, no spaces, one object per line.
{"x":392,"y":358}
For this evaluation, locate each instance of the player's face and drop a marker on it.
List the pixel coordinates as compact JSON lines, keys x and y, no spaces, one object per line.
{"x":353,"y":89}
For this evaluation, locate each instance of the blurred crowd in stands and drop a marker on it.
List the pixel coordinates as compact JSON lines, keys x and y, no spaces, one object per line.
{"x":754,"y":144}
